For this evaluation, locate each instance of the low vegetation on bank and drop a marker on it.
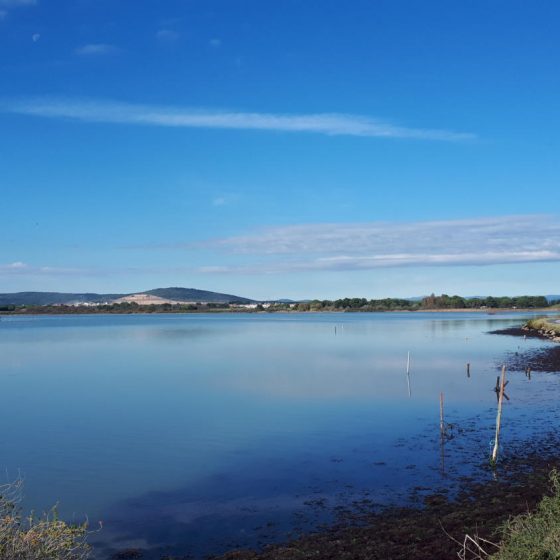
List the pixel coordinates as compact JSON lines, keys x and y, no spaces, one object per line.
{"x":544,"y":326}
{"x":534,"y":535}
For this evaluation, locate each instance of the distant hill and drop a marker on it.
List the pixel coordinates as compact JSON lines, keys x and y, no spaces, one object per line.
{"x":175,"y":294}
{"x":190,"y":294}
{"x":553,"y":298}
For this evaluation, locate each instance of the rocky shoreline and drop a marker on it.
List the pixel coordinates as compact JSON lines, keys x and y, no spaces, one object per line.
{"x":547,"y":329}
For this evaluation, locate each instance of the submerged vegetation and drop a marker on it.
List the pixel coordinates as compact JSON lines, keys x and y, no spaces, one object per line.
{"x":33,"y":537}
{"x":505,"y":519}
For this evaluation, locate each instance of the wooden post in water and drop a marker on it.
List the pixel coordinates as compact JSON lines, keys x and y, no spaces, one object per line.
{"x":499,"y":417}
{"x":468,"y":369}
{"x":441,"y":434}
{"x":441,"y":422}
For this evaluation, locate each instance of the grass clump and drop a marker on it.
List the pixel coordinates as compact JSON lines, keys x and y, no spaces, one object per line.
{"x":534,"y":536}
{"x":544,"y":325}
{"x":33,"y":537}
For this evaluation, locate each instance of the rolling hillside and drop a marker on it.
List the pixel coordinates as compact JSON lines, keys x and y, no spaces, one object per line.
{"x":174,"y":294}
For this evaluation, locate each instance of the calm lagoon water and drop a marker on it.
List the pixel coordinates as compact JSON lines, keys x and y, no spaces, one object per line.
{"x":197,"y":433}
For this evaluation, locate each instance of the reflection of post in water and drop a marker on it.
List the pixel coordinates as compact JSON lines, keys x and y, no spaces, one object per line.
{"x":408,"y":373}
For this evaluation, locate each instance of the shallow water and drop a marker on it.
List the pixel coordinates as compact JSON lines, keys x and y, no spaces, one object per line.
{"x":197,"y":433}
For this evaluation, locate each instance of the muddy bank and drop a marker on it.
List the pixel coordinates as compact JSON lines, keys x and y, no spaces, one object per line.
{"x":541,"y":359}
{"x":427,"y":532}
{"x":520,"y":331}
{"x":546,"y":359}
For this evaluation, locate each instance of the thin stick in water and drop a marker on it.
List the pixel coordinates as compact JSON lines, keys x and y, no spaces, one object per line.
{"x":441,"y":422}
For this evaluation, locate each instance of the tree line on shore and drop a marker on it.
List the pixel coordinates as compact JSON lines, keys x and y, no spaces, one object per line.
{"x":431,"y":302}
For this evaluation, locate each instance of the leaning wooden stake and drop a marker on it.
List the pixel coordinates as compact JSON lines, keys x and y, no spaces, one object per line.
{"x":499,"y":417}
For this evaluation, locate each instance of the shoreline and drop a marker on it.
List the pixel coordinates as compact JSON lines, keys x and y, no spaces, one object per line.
{"x":36,"y":311}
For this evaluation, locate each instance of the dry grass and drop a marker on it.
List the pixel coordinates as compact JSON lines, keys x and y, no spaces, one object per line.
{"x":43,"y":537}
{"x":546,"y":326}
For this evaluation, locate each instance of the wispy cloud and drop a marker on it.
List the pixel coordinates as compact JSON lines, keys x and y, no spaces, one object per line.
{"x":17,"y":3}
{"x":167,"y":35}
{"x":6,"y":5}
{"x":23,"y":269}
{"x":19,"y":268}
{"x":224,"y":199}
{"x":331,"y":124}
{"x":96,"y":49}
{"x":483,"y":241}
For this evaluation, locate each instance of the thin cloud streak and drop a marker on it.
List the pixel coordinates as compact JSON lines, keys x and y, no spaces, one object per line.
{"x":330,"y":124}
{"x":167,"y":35}
{"x":23,"y":269}
{"x":9,"y":4}
{"x":476,"y":242}
{"x":96,"y":49}
{"x":19,"y":268}
{"x":17,"y":3}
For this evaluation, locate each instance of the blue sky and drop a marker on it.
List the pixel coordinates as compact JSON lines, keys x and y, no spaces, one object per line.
{"x":280,"y":149}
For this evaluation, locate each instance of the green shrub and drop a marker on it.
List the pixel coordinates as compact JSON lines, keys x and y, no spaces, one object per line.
{"x":534,"y":536}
